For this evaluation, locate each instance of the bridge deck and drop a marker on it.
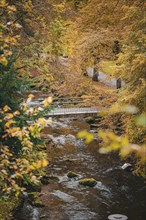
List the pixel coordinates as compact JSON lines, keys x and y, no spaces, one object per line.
{"x":73,"y":111}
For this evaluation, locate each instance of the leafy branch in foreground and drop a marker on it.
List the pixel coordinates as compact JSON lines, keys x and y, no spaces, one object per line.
{"x":21,"y":160}
{"x":122,"y":144}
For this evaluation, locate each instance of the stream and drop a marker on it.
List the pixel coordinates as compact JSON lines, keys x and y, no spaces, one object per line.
{"x":116,"y":192}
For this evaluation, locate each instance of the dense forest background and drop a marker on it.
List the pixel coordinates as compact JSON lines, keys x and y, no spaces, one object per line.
{"x":96,"y":33}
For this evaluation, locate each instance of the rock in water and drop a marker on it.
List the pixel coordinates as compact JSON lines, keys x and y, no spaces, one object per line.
{"x":72,"y":174}
{"x":127,"y":167}
{"x":117,"y":216}
{"x":29,"y":212}
{"x":38,"y":203}
{"x":89,"y":119}
{"x":88,"y":182}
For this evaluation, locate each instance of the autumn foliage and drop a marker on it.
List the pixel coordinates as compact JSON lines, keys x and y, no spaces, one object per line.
{"x":21,"y":158}
{"x":33,"y":34}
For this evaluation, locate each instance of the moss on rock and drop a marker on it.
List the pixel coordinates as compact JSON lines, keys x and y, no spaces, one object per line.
{"x":68,"y":160}
{"x":89,"y":119}
{"x":72,"y":174}
{"x":38,"y":203}
{"x":88,"y":182}
{"x":55,"y":178}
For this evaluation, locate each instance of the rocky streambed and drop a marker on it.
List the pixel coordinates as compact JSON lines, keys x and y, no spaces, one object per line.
{"x":64,"y":198}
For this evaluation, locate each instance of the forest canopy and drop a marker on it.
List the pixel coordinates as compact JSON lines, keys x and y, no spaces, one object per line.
{"x":33,"y":36}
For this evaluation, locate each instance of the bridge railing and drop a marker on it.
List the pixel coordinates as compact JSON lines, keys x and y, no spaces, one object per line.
{"x":73,"y":111}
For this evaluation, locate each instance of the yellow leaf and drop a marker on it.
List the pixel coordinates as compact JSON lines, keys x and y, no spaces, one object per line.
{"x":25,"y":108}
{"x":46,"y":104}
{"x":3,"y":60}
{"x":5,"y":162}
{"x":84,"y":134}
{"x":19,"y":175}
{"x":44,"y":163}
{"x":6,"y":108}
{"x":16,"y":113}
{"x":4,"y":172}
{"x":9,"y":116}
{"x":12,"y":8}
{"x":4,"y":135}
{"x":31,"y":167}
{"x":8,"y":154}
{"x":3,"y":3}
{"x":33,"y":178}
{"x":36,"y":165}
{"x":8,"y":53}
{"x":30,"y":96}
{"x":42,"y":121}
{"x":25,"y":161}
{"x":125,"y":150}
{"x":47,"y":101}
{"x":13,"y":40}
{"x":8,"y":124}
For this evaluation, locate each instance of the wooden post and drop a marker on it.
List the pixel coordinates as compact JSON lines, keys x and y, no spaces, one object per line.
{"x":95,"y":75}
{"x":119,"y":83}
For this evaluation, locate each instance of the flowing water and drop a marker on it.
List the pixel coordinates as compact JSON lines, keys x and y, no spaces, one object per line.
{"x":116,"y":191}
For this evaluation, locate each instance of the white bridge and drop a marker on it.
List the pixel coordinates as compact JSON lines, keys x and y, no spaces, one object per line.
{"x":73,"y":111}
{"x":67,"y":106}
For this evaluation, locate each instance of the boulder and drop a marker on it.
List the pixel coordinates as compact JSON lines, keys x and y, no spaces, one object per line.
{"x":117,"y":216}
{"x":38,"y":203}
{"x":43,"y":217}
{"x":72,"y":174}
{"x":127,"y":166}
{"x":88,"y":182}
{"x":55,"y":178}
{"x":89,"y":119}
